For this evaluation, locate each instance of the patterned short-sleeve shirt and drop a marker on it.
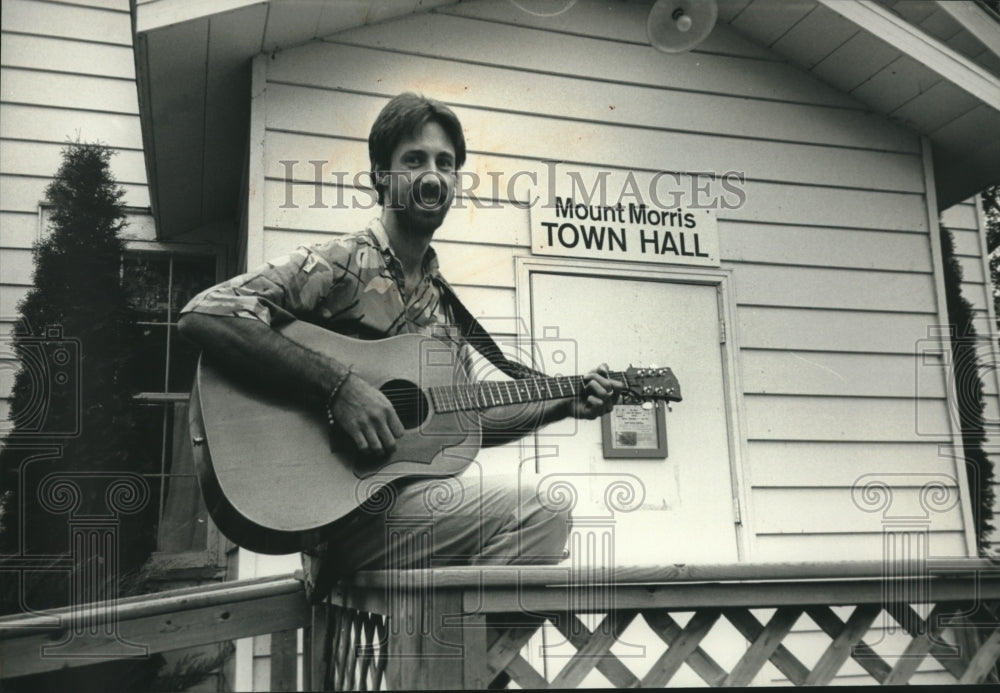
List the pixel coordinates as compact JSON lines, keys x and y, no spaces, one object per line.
{"x":353,"y":285}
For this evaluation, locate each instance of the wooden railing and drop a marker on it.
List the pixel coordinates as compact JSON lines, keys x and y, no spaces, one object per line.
{"x":144,"y":625}
{"x":562,"y":628}
{"x":477,"y":624}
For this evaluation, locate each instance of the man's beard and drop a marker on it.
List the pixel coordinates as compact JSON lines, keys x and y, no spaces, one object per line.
{"x":423,"y":213}
{"x":420,"y":218}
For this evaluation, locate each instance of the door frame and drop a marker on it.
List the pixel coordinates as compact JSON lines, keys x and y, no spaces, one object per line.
{"x":719,"y":277}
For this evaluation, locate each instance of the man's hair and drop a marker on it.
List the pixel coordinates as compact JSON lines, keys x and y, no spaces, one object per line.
{"x":403,"y":117}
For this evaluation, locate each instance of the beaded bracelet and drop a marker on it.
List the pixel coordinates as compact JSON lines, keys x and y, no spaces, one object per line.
{"x":335,"y":391}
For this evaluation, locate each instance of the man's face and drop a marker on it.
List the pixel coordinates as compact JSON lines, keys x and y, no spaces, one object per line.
{"x":421,"y":179}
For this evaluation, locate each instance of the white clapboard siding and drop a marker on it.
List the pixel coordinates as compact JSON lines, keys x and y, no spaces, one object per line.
{"x":830,"y":251}
{"x":468,"y":40}
{"x":79,"y":92}
{"x":67,"y":56}
{"x":769,"y":285}
{"x":846,"y":509}
{"x":44,"y":159}
{"x":16,"y":266}
{"x":768,"y":372}
{"x":68,"y":74}
{"x":846,"y":546}
{"x":845,"y":419}
{"x":761,"y":285}
{"x":776,"y":464}
{"x":493,"y":307}
{"x":10,"y":295}
{"x":966,"y":242}
{"x":505,"y":88}
{"x":345,"y":210}
{"x":18,"y":229}
{"x":345,"y":160}
{"x":39,"y":124}
{"x":960,"y":216}
{"x":973,"y":275}
{"x":824,"y":247}
{"x":983,"y":323}
{"x":109,"y":26}
{"x":976,"y":294}
{"x":24,"y":193}
{"x":808,"y":329}
{"x":325,"y":112}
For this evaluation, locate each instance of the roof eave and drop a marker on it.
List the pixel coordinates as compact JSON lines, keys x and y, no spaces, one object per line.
{"x":965,"y":161}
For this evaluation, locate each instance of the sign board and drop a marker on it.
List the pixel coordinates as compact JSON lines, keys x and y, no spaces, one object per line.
{"x":634,"y":430}
{"x":622,"y":225}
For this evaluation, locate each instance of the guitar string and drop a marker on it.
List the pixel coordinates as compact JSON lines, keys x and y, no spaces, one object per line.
{"x":533,"y":383}
{"x":476,"y":393}
{"x":538,"y":384}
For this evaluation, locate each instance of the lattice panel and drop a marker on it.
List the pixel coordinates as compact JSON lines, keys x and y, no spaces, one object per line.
{"x":355,"y":650}
{"x":969,"y":654}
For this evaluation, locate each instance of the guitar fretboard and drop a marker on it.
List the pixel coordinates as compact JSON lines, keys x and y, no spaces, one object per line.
{"x":497,"y":393}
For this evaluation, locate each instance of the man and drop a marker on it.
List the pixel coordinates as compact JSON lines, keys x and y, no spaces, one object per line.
{"x":378,"y":283}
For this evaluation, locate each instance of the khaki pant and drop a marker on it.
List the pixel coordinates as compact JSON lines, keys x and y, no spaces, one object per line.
{"x":471,"y":519}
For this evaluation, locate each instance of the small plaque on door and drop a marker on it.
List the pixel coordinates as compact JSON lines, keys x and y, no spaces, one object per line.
{"x":635,"y":431}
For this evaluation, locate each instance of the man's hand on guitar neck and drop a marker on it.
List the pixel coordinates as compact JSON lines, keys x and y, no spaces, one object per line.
{"x":599,"y":396}
{"x":507,"y":423}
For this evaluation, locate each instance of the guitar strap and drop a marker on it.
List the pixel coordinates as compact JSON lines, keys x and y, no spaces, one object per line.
{"x":476,"y":335}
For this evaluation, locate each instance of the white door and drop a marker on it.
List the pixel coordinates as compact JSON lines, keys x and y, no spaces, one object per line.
{"x":687,"y":512}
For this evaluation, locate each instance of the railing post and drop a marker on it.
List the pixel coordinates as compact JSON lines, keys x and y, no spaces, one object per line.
{"x":592,"y":543}
{"x":284,"y":660}
{"x":426,"y":628}
{"x":93,"y":542}
{"x":316,"y":648}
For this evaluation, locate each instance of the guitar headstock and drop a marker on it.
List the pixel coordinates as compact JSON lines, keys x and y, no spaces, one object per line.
{"x":652,"y":383}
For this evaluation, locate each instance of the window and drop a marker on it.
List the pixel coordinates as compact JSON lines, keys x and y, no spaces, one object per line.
{"x":161,"y":283}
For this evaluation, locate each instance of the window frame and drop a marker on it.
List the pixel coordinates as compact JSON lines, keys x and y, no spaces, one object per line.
{"x":210,"y":559}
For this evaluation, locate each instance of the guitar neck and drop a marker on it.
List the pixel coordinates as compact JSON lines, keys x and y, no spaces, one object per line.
{"x":496,"y":393}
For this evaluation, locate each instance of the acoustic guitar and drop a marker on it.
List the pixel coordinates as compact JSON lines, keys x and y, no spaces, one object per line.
{"x":273,"y":474}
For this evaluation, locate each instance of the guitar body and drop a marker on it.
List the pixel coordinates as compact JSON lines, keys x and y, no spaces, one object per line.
{"x":273,"y":477}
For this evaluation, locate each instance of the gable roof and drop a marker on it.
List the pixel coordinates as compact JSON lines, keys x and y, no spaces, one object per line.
{"x":936,"y":72}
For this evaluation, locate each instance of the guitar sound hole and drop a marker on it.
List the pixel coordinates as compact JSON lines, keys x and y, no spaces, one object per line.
{"x":408,"y":400}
